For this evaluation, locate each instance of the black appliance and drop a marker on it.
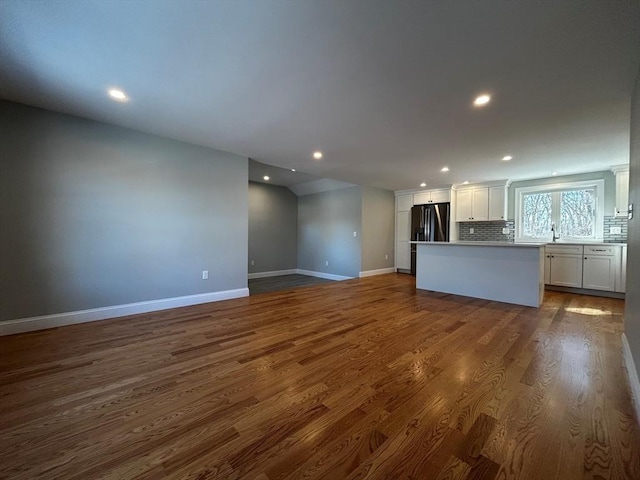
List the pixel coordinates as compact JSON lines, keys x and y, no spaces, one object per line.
{"x":429,"y":223}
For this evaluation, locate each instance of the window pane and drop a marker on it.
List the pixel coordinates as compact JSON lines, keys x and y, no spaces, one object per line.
{"x":536,"y":214}
{"x":578,"y":213}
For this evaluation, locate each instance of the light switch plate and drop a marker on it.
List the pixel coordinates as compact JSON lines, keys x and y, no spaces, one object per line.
{"x":615,"y":230}
{"x":471,"y":230}
{"x":505,"y":231}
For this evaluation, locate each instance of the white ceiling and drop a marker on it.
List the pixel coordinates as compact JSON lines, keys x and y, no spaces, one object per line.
{"x":383,"y":88}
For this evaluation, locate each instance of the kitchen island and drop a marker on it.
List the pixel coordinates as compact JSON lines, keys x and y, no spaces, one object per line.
{"x":500,"y":271}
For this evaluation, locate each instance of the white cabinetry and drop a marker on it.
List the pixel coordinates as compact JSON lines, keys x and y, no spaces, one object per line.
{"x":600,"y":267}
{"x":479,"y":203}
{"x":593,"y":267}
{"x":403,"y":231}
{"x":497,"y":203}
{"x":472,"y":204}
{"x":431,"y":196}
{"x":563,"y":265}
{"x":622,"y":190}
{"x":621,"y":282}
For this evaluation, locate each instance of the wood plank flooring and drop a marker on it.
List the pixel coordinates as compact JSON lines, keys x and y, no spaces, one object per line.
{"x":362,"y":379}
{"x":282,"y":282}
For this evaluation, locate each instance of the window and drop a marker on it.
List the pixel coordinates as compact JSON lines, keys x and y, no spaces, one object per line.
{"x":574,"y":210}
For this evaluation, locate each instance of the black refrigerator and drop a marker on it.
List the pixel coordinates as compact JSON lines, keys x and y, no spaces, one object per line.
{"x":429,"y":223}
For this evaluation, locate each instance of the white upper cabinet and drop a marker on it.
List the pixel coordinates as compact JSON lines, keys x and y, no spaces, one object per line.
{"x":480,"y":203}
{"x":472,"y":204}
{"x":431,"y":196}
{"x":622,"y":190}
{"x":497,"y":203}
{"x":404,"y":202}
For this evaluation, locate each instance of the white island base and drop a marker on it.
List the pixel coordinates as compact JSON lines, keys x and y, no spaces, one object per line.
{"x":504,"y":272}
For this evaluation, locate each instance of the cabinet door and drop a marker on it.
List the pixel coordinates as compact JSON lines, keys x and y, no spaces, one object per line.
{"x":622,"y":194}
{"x":421,"y":198}
{"x":599,"y":272}
{"x":404,"y":203}
{"x":547,"y":269}
{"x":480,"y":204}
{"x":440,"y":196}
{"x":565,"y":270}
{"x":497,"y":203}
{"x":463,"y":205}
{"x":622,"y":273}
{"x":403,"y":233}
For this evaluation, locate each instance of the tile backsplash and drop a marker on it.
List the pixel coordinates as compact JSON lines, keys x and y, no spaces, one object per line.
{"x":492,"y":231}
{"x":487,"y":231}
{"x":612,"y":221}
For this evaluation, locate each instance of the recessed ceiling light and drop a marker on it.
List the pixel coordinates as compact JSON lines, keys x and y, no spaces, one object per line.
{"x":444,"y":169}
{"x":266,"y":177}
{"x":317,"y":155}
{"x":293,"y":169}
{"x":482,"y":100}
{"x":506,"y":158}
{"x":554,"y":173}
{"x":118,"y":95}
{"x":466,"y":182}
{"x":423,"y":184}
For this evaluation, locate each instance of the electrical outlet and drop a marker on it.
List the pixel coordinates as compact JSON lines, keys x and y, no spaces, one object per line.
{"x":386,"y":257}
{"x":505,"y":231}
{"x":355,"y":234}
{"x":326,"y":263}
{"x":472,"y":230}
{"x":205,"y":274}
{"x":615,"y":230}
{"x":252,"y":263}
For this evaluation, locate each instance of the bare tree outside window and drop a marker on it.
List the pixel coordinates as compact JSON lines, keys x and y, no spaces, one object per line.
{"x":573,"y":211}
{"x":536,"y":216}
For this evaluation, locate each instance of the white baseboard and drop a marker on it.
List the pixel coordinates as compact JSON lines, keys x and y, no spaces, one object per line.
{"x":380,"y":271}
{"x":328,"y":276}
{"x":274,"y":273}
{"x":632,"y":373}
{"x":22,"y":325}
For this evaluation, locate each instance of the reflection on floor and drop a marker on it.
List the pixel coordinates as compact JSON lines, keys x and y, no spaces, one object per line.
{"x":282,"y":282}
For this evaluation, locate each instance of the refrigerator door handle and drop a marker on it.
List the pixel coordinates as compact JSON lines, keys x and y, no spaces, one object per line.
{"x":441,"y":230}
{"x":427,"y":233}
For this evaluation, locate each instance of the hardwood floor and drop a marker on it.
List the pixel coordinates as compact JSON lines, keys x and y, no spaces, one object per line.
{"x":282,"y":282}
{"x":365,"y":378}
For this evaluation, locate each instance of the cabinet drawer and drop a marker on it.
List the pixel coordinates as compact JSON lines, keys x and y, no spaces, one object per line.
{"x":566,"y":249}
{"x":600,"y":250}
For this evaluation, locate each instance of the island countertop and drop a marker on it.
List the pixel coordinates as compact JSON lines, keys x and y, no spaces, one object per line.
{"x":482,"y":244}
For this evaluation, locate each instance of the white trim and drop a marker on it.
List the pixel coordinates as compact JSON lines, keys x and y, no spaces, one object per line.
{"x":274,"y":273}
{"x":554,"y":187}
{"x":328,"y":276}
{"x":81,"y":316}
{"x":380,"y":271}
{"x":632,"y":374}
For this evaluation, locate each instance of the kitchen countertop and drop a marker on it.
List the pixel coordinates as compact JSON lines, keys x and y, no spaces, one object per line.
{"x":521,"y":244}
{"x":482,"y":244}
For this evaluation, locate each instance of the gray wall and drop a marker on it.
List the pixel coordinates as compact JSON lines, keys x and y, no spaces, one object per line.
{"x":273,"y":228}
{"x":378,"y":214}
{"x":609,"y":188}
{"x":326,"y":222}
{"x":632,"y":305}
{"x":93,"y":215}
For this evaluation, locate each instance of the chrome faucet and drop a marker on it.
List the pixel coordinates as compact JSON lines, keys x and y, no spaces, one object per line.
{"x":553,"y":231}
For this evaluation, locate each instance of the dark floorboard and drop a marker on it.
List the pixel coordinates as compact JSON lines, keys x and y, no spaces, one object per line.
{"x":282,"y":282}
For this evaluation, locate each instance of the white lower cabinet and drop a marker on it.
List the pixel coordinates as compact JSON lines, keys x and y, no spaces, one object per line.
{"x":621,"y":283}
{"x":601,"y":265}
{"x":585,"y":266}
{"x":565,"y":270}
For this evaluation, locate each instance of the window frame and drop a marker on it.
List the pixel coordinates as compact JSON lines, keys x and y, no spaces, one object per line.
{"x":597,"y":185}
